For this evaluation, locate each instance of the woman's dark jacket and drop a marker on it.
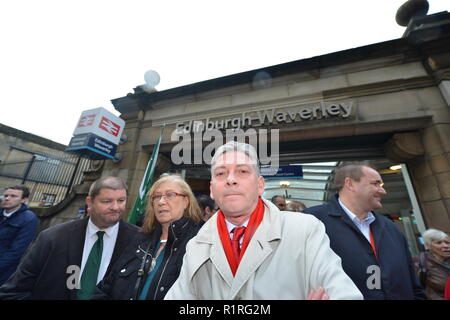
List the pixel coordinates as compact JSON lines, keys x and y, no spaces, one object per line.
{"x":122,"y":283}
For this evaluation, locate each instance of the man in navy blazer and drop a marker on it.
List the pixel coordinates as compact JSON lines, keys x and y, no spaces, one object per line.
{"x":52,"y":267}
{"x":374,"y":253}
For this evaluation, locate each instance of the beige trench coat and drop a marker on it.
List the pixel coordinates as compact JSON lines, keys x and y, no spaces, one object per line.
{"x":288,"y":256}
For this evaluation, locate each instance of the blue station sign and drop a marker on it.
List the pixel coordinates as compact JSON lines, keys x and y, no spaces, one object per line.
{"x":92,"y":145}
{"x":287,"y":172}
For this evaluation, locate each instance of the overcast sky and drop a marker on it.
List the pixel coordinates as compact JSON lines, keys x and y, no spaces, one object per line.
{"x":61,"y":57}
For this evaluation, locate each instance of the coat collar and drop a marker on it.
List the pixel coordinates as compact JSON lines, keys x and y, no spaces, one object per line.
{"x":377,"y":227}
{"x":77,"y":235}
{"x":209,"y":229}
{"x":122,"y":240}
{"x":176,"y":229}
{"x":259,"y":248}
{"x":16,"y":218}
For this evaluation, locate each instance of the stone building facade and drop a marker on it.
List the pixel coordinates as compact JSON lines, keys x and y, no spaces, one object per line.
{"x":389,"y":99}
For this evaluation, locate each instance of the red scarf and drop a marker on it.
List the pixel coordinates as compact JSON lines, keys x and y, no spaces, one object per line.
{"x":255,"y":219}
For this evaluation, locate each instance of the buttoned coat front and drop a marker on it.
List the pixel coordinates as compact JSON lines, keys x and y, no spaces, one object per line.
{"x":287,"y":257}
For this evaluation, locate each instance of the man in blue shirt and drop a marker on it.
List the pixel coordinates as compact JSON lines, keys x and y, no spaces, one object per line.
{"x":18,"y":228}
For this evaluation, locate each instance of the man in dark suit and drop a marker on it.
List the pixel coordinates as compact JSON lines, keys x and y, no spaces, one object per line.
{"x":374,"y":253}
{"x":58,"y":263}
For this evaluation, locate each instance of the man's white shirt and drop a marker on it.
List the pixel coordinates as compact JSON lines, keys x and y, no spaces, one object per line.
{"x":109,"y":241}
{"x":364,"y":225}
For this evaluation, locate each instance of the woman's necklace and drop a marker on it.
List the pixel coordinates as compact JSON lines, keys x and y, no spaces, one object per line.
{"x":153,"y":263}
{"x":160,"y":249}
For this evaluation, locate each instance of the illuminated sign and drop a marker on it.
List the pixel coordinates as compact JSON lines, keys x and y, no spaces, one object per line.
{"x":102,"y":123}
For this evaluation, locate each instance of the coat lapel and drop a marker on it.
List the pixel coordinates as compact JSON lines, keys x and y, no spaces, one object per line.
{"x":123,"y":239}
{"x":378,"y":227}
{"x":218,"y":257}
{"x":257,"y":251}
{"x":208,"y":236}
{"x":75,"y":244}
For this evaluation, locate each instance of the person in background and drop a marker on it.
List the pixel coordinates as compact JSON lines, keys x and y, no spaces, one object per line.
{"x":280,"y":202}
{"x":295,"y":206}
{"x":250,"y":250}
{"x":374,"y":252}
{"x":152,"y":261}
{"x":18,"y":228}
{"x":207,"y":205}
{"x":434,"y":265}
{"x":68,"y":260}
{"x":447,"y":290}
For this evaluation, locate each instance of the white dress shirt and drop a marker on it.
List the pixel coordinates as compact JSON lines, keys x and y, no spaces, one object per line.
{"x":364,"y":225}
{"x":231,"y":226}
{"x":109,"y":241}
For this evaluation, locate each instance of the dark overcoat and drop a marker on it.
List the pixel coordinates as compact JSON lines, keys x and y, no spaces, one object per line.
{"x":44,"y":273}
{"x":397,"y":281}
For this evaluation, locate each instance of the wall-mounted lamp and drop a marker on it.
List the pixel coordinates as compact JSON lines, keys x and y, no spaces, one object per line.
{"x":285,"y":184}
{"x":117,"y":158}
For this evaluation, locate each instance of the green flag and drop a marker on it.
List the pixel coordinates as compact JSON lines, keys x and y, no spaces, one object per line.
{"x":140,"y":204}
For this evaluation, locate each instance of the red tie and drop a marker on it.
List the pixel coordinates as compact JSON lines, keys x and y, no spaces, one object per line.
{"x":372,"y":243}
{"x":238,"y":232}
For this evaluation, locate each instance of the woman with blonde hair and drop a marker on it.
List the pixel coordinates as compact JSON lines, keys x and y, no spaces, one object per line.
{"x":152,"y":262}
{"x":434,"y":265}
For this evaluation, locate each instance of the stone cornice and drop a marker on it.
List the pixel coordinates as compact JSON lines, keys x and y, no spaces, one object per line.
{"x":144,"y":101}
{"x":379,"y":88}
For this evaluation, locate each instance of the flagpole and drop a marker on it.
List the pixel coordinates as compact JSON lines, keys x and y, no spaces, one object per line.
{"x":140,"y":204}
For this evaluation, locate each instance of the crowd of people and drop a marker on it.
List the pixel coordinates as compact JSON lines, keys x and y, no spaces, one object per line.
{"x":232,"y":244}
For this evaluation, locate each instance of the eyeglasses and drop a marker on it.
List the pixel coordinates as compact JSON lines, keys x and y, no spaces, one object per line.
{"x":169,"y":196}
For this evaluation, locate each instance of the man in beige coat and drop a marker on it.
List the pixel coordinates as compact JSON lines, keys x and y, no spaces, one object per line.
{"x":280,"y":255}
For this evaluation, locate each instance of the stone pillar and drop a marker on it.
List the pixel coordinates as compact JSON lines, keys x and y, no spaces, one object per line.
{"x":431,"y":176}
{"x":133,"y":163}
{"x":427,"y":155}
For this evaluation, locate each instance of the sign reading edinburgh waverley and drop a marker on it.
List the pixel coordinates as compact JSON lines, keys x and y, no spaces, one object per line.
{"x":97,"y":134}
{"x":318,"y":111}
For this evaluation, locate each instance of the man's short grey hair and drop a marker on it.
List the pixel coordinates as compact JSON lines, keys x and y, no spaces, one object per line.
{"x":246,"y":148}
{"x":114,"y":183}
{"x":431,"y":235}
